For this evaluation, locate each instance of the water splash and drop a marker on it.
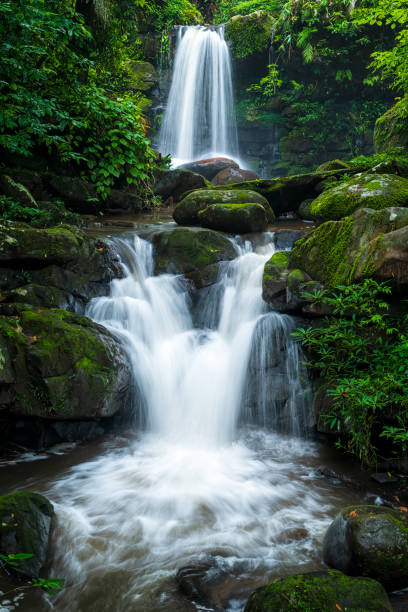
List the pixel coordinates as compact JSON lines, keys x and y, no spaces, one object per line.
{"x":199,"y":121}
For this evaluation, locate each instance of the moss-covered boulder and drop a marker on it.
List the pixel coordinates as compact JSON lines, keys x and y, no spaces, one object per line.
{"x":285,"y":194}
{"x":333,"y":164}
{"x":249,"y":33}
{"x":59,"y":365}
{"x":319,"y":592}
{"x":376,"y":191}
{"x":391,"y":129}
{"x":186,"y":212}
{"x":282,"y":286}
{"x":143,"y":75}
{"x":368,"y":244}
{"x":195,"y":252}
{"x":234,"y":218}
{"x":25,"y":524}
{"x":61,"y":264}
{"x":369,"y":541}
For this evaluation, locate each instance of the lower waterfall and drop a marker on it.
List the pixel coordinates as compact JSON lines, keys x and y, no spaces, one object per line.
{"x":203,"y":479}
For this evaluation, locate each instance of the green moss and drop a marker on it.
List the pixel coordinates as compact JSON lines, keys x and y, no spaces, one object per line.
{"x":319,"y":592}
{"x":238,"y":218}
{"x":391,"y":129}
{"x":370,"y":190}
{"x":333,"y":164}
{"x":249,"y":34}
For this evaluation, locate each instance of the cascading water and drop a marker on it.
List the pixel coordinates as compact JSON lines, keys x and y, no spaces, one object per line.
{"x":194,"y":485}
{"x":199,"y":120}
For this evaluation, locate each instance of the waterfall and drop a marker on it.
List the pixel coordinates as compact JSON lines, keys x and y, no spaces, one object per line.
{"x":199,"y":120}
{"x":196,"y":483}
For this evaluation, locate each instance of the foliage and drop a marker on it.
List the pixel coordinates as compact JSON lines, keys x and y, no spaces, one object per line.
{"x":55,"y":95}
{"x":362,"y":352}
{"x":391,"y":64}
{"x":49,"y":585}
{"x":9,"y":209}
{"x":228,"y":8}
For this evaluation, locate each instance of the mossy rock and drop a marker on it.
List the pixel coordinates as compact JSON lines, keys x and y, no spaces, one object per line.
{"x":370,"y":541}
{"x":304,"y":210}
{"x":174,"y":183}
{"x":333,"y":164}
{"x":368,"y":244}
{"x":39,"y":295}
{"x":195,"y":252}
{"x":285,"y":194}
{"x":143,"y":75}
{"x":376,"y":191}
{"x":249,"y":34}
{"x":320,"y":592}
{"x":186,"y":212}
{"x":234,"y":218}
{"x":25,"y":524}
{"x":391,"y":129}
{"x":61,"y":365}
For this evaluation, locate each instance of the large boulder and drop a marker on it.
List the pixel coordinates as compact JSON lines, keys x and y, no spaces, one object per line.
{"x":282,"y":286}
{"x":391,"y":129}
{"x":319,"y":592}
{"x":249,"y":34}
{"x":186,"y":212}
{"x":233,"y":175}
{"x":56,"y":266}
{"x":195,"y":252}
{"x":209,"y":168}
{"x":285,"y":194}
{"x":25,"y":524}
{"x":174,"y":183}
{"x":368,"y":244}
{"x":143,"y":75}
{"x":376,"y":191}
{"x":234,"y":218}
{"x":59,"y":365}
{"x":370,"y":541}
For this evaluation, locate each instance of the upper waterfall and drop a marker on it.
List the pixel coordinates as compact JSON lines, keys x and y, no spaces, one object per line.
{"x":199,"y":120}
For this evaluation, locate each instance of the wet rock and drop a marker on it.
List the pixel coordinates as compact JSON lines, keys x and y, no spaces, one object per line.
{"x":186,"y":212}
{"x":369,"y":244}
{"x":292,"y":535}
{"x":369,"y":541}
{"x":195,"y":252}
{"x":375,"y":191}
{"x":318,"y":592}
{"x":283,"y":286}
{"x":286,"y":238}
{"x":209,"y":168}
{"x":333,"y":164}
{"x":25,"y":524}
{"x":233,"y":175}
{"x":384,"y":478}
{"x":193,"y":582}
{"x":337,"y":477}
{"x":60,"y":365}
{"x":174,"y":183}
{"x":143,"y":75}
{"x":304,"y":210}
{"x":234,"y":218}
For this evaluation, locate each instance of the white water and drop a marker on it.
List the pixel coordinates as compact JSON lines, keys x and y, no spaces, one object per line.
{"x":199,"y":121}
{"x":193,"y":483}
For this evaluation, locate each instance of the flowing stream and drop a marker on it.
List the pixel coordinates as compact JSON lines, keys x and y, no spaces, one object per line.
{"x":199,"y":121}
{"x":204,"y":480}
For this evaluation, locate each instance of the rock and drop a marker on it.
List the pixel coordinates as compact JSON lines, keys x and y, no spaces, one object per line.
{"x":195,"y":252}
{"x":384,"y":478}
{"x":233,"y":175}
{"x":285,"y":194}
{"x":391,"y":129}
{"x":16,"y":191}
{"x":234,"y":218}
{"x":319,"y":592}
{"x":61,"y":265}
{"x":333,"y":164}
{"x":376,"y":191}
{"x":304,"y":210}
{"x":209,"y":168}
{"x":174,"y":183}
{"x":193,"y":582}
{"x":291,"y":535}
{"x":60,"y":365}
{"x":286,"y":238}
{"x":25,"y":524}
{"x":369,"y":541}
{"x":282,"y":286}
{"x":249,"y":34}
{"x":368,"y":244}
{"x":143,"y":75}
{"x":186,"y":212}
{"x":77,"y":193}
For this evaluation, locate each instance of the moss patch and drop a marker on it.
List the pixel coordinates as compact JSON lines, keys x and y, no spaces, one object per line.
{"x":249,"y":34}
{"x":391,"y":129}
{"x":235,"y":218}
